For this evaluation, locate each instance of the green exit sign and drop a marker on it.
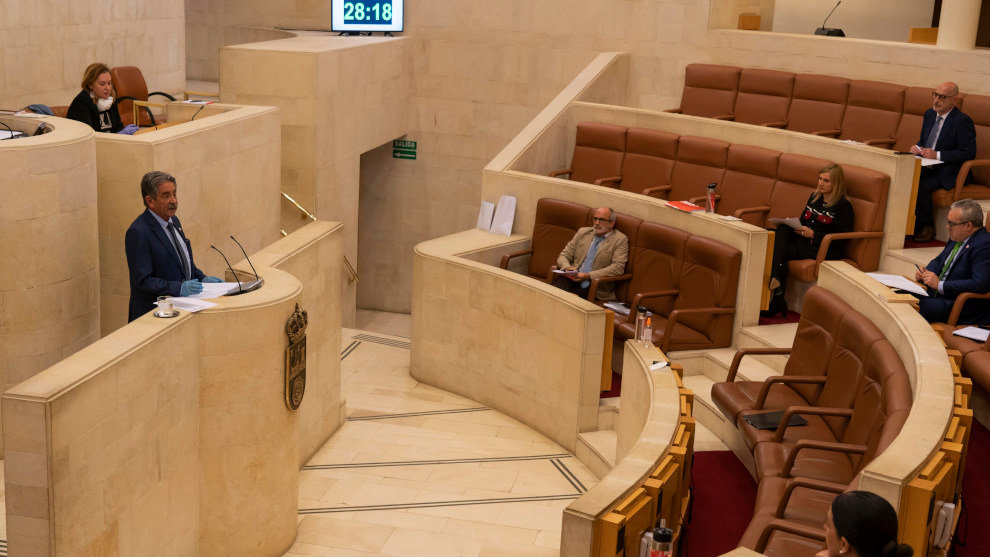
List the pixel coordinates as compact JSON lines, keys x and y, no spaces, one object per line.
{"x":403,"y":149}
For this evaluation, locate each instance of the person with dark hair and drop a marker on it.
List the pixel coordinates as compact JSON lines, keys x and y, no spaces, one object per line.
{"x":862,"y":524}
{"x":159,"y":257}
{"x":94,"y":106}
{"x":828,"y":210}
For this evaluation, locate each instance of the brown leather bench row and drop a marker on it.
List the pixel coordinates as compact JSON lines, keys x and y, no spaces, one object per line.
{"x":845,"y":378}
{"x":689,"y":282}
{"x":873,"y":112}
{"x":753,"y":183}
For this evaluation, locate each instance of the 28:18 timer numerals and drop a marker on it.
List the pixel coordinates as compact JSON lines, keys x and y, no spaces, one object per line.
{"x":377,"y":11}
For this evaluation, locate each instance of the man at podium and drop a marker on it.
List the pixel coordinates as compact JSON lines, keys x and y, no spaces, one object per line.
{"x":159,"y":257}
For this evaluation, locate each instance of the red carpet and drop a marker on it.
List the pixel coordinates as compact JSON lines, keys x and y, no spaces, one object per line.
{"x":724,"y":495}
{"x":616,"y":387}
{"x":976,"y":493}
{"x":792,"y":317}
{"x":910,"y":243}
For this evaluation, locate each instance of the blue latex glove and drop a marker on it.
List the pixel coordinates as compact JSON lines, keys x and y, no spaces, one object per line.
{"x":190,"y":287}
{"x":212,"y":279}
{"x":129,"y":129}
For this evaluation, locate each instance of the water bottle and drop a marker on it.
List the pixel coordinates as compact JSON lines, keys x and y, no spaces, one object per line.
{"x":710,"y":199}
{"x":640,"y":322}
{"x":662,"y":538}
{"x":648,"y":330}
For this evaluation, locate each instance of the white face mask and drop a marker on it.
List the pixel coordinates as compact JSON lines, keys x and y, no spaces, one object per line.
{"x":104,"y":104}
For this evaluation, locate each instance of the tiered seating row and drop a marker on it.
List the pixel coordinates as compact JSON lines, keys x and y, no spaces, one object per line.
{"x":753,"y":183}
{"x":872,"y":112}
{"x":845,"y":378}
{"x":688,"y":281}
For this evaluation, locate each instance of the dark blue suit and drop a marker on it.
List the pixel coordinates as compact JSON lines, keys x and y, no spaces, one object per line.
{"x":956,"y":144}
{"x":153,"y":264}
{"x":970,"y":272}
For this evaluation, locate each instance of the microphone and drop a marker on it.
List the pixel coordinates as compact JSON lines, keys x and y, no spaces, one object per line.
{"x":246,"y":257}
{"x":194,"y":117}
{"x":240,"y":290}
{"x":830,"y":32}
{"x":12,"y":136}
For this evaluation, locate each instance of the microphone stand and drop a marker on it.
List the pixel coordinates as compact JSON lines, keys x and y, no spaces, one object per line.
{"x":240,"y":290}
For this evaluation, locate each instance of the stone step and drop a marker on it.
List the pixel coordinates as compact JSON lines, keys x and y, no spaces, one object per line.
{"x":596,"y":449}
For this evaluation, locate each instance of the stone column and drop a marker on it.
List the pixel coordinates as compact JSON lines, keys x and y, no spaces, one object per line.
{"x":958,"y":24}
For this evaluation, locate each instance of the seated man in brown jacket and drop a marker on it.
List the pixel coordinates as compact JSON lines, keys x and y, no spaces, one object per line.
{"x":594,"y":251}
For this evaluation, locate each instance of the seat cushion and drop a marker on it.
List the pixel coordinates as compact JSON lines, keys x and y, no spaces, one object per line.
{"x":816,"y":464}
{"x":956,"y":342}
{"x":816,"y":429}
{"x":976,"y":365}
{"x":733,"y":398}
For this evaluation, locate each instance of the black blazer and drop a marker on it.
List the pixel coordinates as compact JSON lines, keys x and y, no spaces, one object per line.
{"x":970,"y":272}
{"x":84,"y":110}
{"x":152,"y":263}
{"x":956,"y":144}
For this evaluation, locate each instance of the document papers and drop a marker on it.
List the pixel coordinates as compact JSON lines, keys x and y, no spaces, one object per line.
{"x":973,"y":333}
{"x":485,"y":216}
{"x":928,"y":162}
{"x":505,"y":213}
{"x":4,"y":134}
{"x":215,"y":290}
{"x":899,"y":282}
{"x":793,"y":222}
{"x":191,"y":305}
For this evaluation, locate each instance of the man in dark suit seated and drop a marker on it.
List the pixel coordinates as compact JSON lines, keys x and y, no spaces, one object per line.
{"x":947,"y":135}
{"x":963,"y":266}
{"x":594,"y":251}
{"x":159,"y":257}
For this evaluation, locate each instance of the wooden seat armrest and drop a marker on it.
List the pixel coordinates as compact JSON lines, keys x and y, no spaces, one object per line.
{"x":761,"y":398}
{"x":593,"y":287}
{"x":791,"y":527}
{"x":550,"y":273}
{"x":820,"y":446}
{"x":810,"y":410}
{"x":702,"y":198}
{"x":638,"y":298}
{"x":668,"y":327}
{"x":610,"y":182}
{"x":887,"y":142}
{"x":806,"y":483}
{"x":742,"y":352}
{"x":504,"y":263}
{"x":957,"y":306}
{"x":556,"y":173}
{"x":827,"y":133}
{"x":778,"y":125}
{"x":749,"y":210}
{"x":674,"y":110}
{"x":963,"y":173}
{"x":835,"y":236}
{"x":656,"y":189}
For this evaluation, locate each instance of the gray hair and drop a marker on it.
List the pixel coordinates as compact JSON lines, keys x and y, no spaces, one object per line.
{"x":151,"y":181}
{"x":971,"y":211}
{"x":611,"y":213}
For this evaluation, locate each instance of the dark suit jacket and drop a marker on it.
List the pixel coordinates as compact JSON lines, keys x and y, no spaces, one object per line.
{"x":153,"y":265}
{"x":970,"y":272}
{"x":956,"y":144}
{"x":84,"y":110}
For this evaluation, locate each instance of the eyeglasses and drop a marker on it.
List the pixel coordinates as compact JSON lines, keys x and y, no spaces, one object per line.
{"x":941,"y":97}
{"x":950,"y":224}
{"x":600,"y":219}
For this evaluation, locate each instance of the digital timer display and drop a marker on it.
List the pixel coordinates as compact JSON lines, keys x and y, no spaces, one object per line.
{"x":366,"y":15}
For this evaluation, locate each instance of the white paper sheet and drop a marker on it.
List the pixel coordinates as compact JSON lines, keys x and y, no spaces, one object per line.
{"x":215,"y":290}
{"x":793,"y":222}
{"x":505,"y":213}
{"x":4,"y":134}
{"x":928,"y":162}
{"x":974,"y":333}
{"x":485,"y":216}
{"x":191,"y":305}
{"x":899,"y":282}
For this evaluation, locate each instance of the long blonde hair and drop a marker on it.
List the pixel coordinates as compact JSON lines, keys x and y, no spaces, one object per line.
{"x":838,"y":178}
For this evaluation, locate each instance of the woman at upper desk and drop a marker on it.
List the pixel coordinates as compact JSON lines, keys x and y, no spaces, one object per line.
{"x":828,"y":211}
{"x":94,"y":104}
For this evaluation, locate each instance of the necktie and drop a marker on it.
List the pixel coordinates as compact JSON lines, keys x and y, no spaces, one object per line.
{"x":933,"y":134}
{"x":178,"y":250}
{"x":948,"y":261}
{"x":589,"y":259}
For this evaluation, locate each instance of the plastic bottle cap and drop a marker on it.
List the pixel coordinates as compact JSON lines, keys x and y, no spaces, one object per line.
{"x":662,"y":534}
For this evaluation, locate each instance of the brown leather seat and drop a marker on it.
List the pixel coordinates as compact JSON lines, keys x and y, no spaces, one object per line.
{"x":976,"y":366}
{"x":700,"y":161}
{"x":873,"y":111}
{"x":556,"y":223}
{"x":649,"y":159}
{"x":628,"y":225}
{"x":598,"y":152}
{"x":916,"y":101}
{"x":973,"y":181}
{"x":128,"y":81}
{"x":797,"y":178}
{"x":764,"y":97}
{"x":867,"y":192}
{"x":744,"y":192}
{"x":709,"y":90}
{"x":61,"y":110}
{"x":818,"y":104}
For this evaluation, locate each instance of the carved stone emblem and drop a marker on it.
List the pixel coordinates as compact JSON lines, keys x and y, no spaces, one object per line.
{"x":295,"y":358}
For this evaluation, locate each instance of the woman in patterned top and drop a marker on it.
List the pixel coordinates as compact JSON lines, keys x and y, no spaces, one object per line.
{"x":828,"y":211}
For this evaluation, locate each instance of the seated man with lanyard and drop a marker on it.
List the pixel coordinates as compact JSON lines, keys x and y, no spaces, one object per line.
{"x":963,"y":266}
{"x":594,"y":251}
